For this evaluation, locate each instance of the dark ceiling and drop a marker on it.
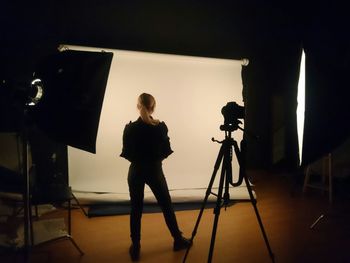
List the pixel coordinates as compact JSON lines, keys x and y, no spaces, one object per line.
{"x":228,"y":29}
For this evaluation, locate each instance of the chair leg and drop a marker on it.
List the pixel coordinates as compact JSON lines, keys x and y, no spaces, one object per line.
{"x":307,"y":178}
{"x":327,"y":182}
{"x":330,"y":183}
{"x":69,"y":218}
{"x":36,"y":211}
{"x":31,"y":227}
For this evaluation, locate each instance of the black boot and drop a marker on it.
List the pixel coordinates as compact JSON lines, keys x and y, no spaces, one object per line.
{"x":181,"y":243}
{"x":134,"y":251}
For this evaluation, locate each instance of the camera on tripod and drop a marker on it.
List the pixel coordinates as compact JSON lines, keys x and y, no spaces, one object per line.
{"x":232,"y":112}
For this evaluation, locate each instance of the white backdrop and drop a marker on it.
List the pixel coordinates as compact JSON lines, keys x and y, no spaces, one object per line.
{"x":190,"y":92}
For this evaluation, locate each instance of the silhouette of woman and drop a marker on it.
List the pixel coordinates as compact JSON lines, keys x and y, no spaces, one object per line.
{"x":146,"y":144}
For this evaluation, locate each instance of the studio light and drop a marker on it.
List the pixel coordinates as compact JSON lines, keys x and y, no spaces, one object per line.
{"x":70,"y":86}
{"x":63,"y":100}
{"x":35,"y":92}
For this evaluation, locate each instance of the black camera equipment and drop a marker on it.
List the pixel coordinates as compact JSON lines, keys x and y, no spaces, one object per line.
{"x":232,"y":112}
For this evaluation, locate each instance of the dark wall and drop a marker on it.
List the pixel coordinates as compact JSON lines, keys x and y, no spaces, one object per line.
{"x":30,"y":30}
{"x":226,"y":29}
{"x":49,"y":159}
{"x":269,"y":33}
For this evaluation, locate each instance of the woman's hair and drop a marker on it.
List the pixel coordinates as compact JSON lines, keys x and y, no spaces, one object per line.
{"x":146,"y":105}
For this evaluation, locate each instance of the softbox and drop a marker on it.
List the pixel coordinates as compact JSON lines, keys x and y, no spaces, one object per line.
{"x":74,"y":84}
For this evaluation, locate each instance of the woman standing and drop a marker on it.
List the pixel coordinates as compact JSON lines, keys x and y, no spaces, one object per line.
{"x":146,"y":144}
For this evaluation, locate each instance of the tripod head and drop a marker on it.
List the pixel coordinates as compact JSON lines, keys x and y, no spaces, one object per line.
{"x":226,"y":154}
{"x":232,"y":113}
{"x":230,"y":143}
{"x":230,"y":127}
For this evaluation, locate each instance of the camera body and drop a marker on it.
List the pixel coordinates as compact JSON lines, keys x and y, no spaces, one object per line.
{"x":232,"y":112}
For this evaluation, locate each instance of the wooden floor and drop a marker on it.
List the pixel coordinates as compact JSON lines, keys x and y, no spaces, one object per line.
{"x":286,"y":214}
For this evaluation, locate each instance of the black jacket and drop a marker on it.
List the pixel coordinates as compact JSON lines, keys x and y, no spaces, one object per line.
{"x":144,"y":142}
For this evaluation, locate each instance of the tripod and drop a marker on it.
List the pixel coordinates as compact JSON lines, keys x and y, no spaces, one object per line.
{"x":223,"y":197}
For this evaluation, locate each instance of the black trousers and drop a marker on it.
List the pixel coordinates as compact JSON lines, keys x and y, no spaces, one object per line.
{"x":152,"y":175}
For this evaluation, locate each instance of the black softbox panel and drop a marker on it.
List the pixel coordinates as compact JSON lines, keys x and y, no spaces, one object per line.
{"x":327,"y":107}
{"x":74,"y":85}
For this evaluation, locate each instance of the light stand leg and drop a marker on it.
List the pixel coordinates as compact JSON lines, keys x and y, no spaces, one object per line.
{"x":26,"y":200}
{"x":80,"y":206}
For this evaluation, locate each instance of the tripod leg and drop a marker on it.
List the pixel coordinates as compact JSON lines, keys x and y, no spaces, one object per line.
{"x":253,"y":201}
{"x":208,"y":192}
{"x":217,"y":209}
{"x":240,"y":154}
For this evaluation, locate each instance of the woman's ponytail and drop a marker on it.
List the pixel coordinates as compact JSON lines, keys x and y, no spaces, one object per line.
{"x":146,"y":104}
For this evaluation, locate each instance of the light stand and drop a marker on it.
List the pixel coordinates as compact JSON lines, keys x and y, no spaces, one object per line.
{"x":75,"y":83}
{"x":26,"y":192}
{"x":223,"y":198}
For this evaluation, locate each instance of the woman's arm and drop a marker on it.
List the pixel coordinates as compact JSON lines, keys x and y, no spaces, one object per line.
{"x":128,"y":148}
{"x":166,"y":148}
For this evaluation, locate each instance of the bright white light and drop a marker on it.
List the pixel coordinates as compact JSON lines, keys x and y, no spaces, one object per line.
{"x":301,"y":105}
{"x":37,"y":85}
